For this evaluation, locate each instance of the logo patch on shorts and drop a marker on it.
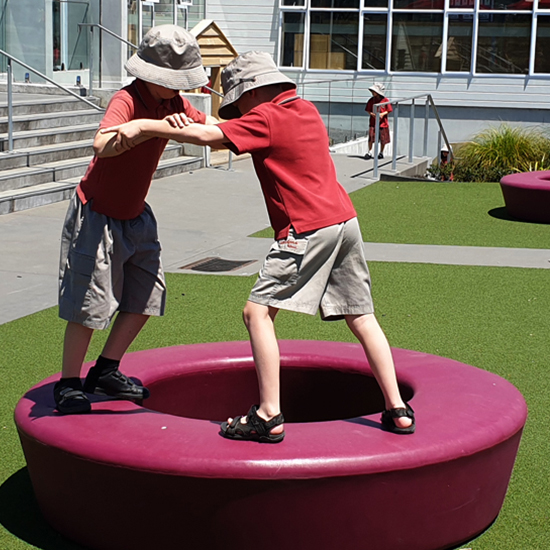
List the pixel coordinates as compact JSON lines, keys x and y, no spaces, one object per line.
{"x":290,"y":244}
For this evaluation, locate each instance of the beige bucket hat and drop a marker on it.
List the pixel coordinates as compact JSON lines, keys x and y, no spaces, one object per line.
{"x":378,"y":88}
{"x":169,"y":56}
{"x":246,"y":72}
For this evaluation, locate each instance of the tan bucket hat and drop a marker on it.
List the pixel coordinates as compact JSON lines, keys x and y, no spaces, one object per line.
{"x":169,"y":56}
{"x":378,"y":88}
{"x":246,"y":72}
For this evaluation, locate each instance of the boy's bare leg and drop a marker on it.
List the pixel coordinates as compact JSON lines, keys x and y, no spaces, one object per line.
{"x":259,"y":321}
{"x":75,"y":346}
{"x":378,"y":352}
{"x":124,"y":331}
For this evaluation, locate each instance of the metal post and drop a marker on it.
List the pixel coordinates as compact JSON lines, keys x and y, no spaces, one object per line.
{"x":395,"y":135}
{"x":10,"y":107}
{"x":376,"y":138}
{"x":426,"y":127}
{"x":411,"y":133}
{"x":91,"y":64}
{"x":230,"y":161}
{"x":328,"y":114}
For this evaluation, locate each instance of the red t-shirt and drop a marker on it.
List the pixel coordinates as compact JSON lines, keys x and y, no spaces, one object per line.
{"x":289,"y":145}
{"x":118,"y":185}
{"x":384,"y":122}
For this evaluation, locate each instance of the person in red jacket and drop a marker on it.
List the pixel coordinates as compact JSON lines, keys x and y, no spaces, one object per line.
{"x":110,"y":252}
{"x":317,"y":262}
{"x":378,"y":90}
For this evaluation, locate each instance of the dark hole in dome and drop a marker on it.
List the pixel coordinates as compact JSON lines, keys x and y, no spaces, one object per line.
{"x":307,"y":394}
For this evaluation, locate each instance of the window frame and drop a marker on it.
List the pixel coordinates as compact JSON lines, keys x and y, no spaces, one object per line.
{"x":476,"y":11}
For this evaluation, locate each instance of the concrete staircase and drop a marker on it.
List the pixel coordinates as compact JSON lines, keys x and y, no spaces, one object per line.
{"x":52,"y":147}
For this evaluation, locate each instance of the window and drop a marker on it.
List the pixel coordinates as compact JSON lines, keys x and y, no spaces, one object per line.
{"x":416,"y":42}
{"x":503,"y":43}
{"x":333,"y":40}
{"x":459,"y":43}
{"x":542,"y":46}
{"x":350,"y":35}
{"x":375,"y":28}
{"x":292,"y":39}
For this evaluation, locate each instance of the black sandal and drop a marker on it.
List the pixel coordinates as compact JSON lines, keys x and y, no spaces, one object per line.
{"x":70,"y":399}
{"x":388,"y":422}
{"x":255,"y":428}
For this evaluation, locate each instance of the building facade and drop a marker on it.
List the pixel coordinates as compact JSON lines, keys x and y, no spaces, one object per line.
{"x":483,"y":61}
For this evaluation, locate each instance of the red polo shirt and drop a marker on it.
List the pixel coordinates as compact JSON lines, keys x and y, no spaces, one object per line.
{"x":118,"y":185}
{"x":384,"y":122}
{"x":289,"y":145}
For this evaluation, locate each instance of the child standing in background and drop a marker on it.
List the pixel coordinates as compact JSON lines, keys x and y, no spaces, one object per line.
{"x":378,"y":90}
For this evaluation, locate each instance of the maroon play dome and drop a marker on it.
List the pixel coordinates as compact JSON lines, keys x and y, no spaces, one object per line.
{"x":527,"y":196}
{"x":126,"y":477}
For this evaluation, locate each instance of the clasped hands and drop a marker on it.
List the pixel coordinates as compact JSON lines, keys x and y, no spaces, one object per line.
{"x":131,"y":133}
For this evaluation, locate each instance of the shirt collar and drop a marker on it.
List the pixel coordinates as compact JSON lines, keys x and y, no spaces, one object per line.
{"x":284,"y":95}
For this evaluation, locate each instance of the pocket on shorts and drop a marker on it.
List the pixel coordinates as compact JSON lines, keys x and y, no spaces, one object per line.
{"x":83,"y":264}
{"x":285,"y":259}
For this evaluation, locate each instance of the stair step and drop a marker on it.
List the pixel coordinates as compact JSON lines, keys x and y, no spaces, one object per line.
{"x":35,"y":138}
{"x":179,"y":165}
{"x":38,"y":195}
{"x":54,"y":104}
{"x":19,"y":178}
{"x":39,"y":121}
{"x":65,"y":168}
{"x":42,"y":154}
{"x":33,"y":156}
{"x":41,"y":194}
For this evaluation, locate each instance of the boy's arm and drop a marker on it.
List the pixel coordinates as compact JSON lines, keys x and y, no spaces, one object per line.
{"x":105,"y":144}
{"x":131,"y":133}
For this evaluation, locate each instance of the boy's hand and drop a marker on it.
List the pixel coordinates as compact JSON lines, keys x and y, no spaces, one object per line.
{"x":127,"y":135}
{"x":179,"y":120}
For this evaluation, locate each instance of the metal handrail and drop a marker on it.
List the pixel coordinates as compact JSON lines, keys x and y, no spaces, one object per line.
{"x":91,"y":52}
{"x":429,"y":103}
{"x":38,"y":73}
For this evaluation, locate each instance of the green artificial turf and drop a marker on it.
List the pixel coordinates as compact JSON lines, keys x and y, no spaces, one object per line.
{"x":465,"y":214}
{"x":493,"y":318}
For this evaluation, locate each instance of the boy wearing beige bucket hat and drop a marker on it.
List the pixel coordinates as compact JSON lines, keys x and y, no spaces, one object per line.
{"x":110,"y":254}
{"x":317,"y":261}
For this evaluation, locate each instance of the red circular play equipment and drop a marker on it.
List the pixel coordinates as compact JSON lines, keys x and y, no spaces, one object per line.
{"x":527,"y":196}
{"x":162,"y":476}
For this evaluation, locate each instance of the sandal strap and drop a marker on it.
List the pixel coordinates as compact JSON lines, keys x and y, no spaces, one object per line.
{"x":261,"y":426}
{"x":70,"y":393}
{"x":406,"y":412}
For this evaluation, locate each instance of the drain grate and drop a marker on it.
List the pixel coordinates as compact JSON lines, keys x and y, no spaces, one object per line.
{"x":215,"y":265}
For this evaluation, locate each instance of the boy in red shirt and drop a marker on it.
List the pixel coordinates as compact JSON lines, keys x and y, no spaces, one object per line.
{"x":317,"y":260}
{"x":110,"y":253}
{"x":378,"y":90}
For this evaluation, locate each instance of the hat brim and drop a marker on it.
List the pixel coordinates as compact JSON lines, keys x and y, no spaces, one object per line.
{"x":182,"y":79}
{"x":377,"y":91}
{"x":228,"y":109}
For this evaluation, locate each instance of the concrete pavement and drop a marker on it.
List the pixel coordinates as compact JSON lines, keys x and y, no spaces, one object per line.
{"x":208,"y":213}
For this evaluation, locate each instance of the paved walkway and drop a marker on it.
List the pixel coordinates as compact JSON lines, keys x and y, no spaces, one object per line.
{"x":202,"y":214}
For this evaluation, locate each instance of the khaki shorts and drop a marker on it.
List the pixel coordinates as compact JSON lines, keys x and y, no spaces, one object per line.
{"x":321,"y":270}
{"x":108,"y":265}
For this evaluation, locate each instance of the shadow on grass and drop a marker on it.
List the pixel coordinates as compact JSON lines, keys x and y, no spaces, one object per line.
{"x":501,"y":213}
{"x":21,"y":516}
